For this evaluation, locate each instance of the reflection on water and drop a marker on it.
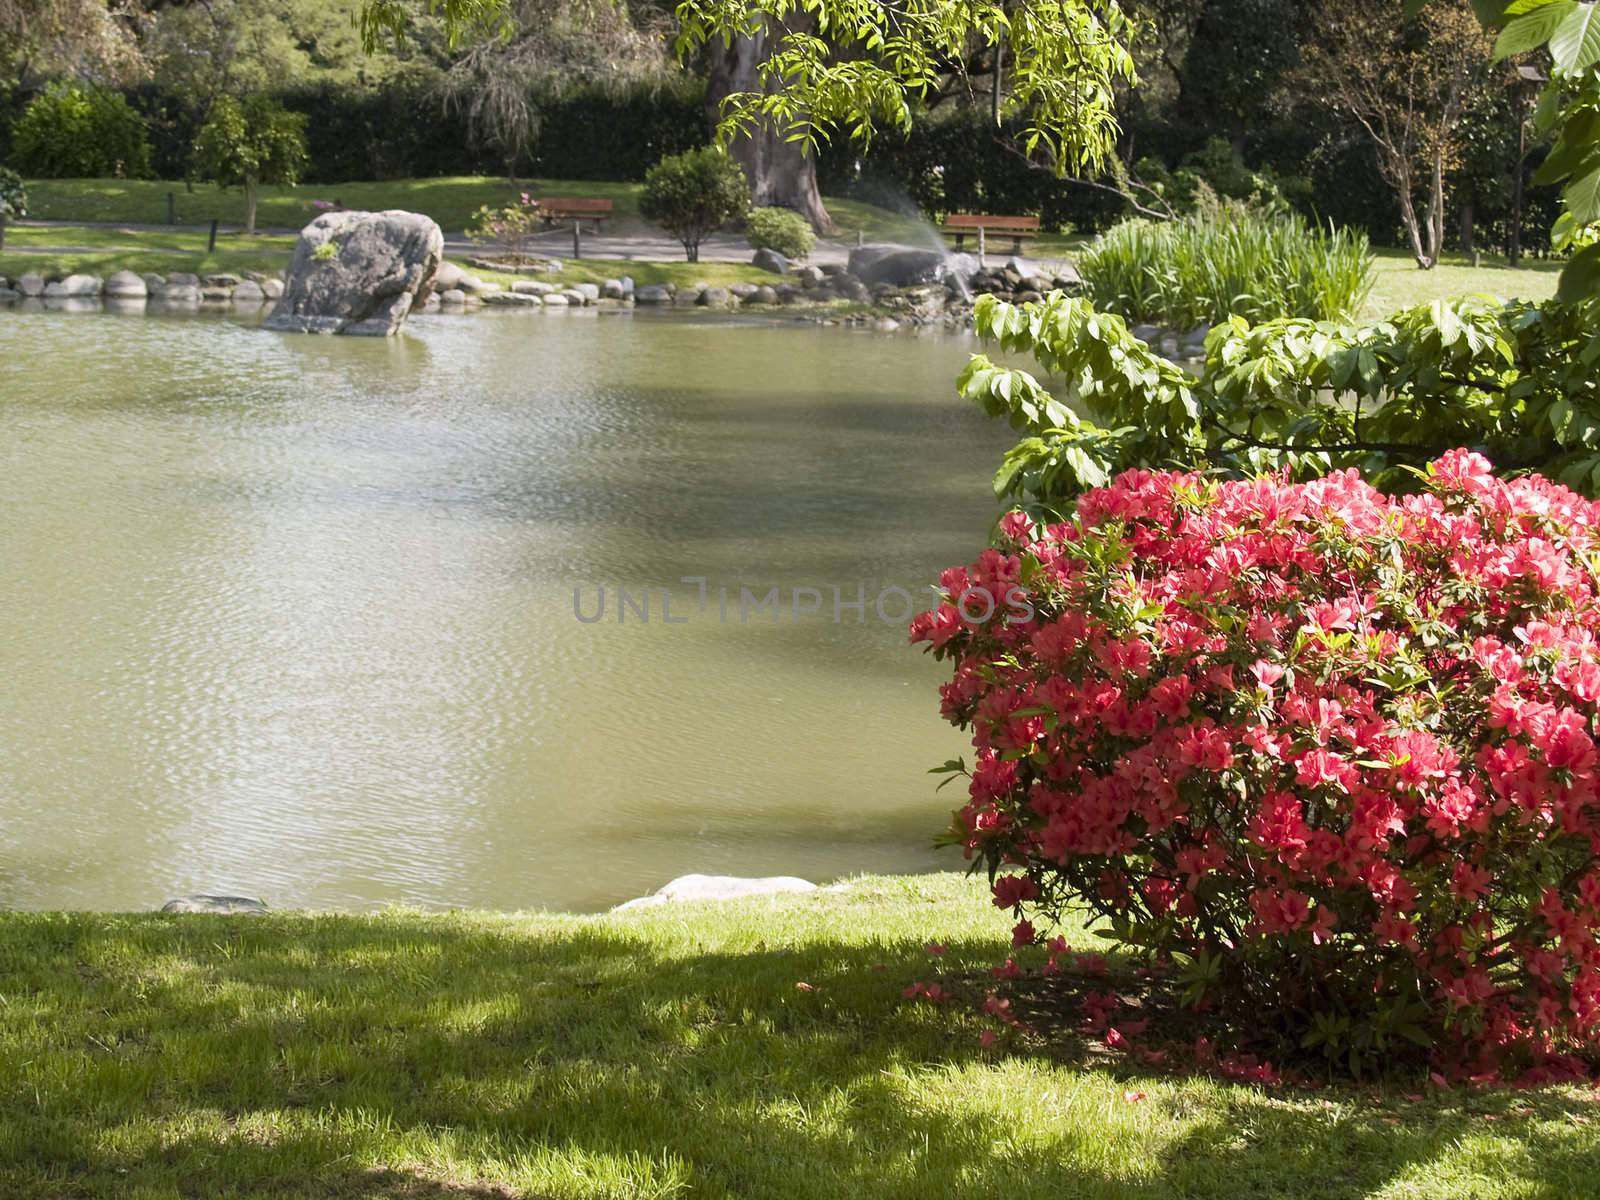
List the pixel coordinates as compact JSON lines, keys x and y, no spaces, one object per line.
{"x":293,"y":616}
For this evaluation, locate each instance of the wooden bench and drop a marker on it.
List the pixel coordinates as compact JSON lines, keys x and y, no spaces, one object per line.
{"x":577,"y":209}
{"x":573,"y":208}
{"x":964,"y":225}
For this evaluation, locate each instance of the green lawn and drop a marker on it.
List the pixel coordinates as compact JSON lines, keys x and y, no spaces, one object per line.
{"x":740,"y":1051}
{"x":1401,"y":285}
{"x":451,"y":201}
{"x":101,"y":251}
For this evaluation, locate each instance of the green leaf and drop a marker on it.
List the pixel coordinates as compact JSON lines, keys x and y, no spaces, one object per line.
{"x":1575,"y":45}
{"x":1581,"y":276}
{"x":1583,"y":198}
{"x":1532,"y":29}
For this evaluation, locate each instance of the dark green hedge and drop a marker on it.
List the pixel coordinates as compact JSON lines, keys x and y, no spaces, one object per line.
{"x":404,"y":130}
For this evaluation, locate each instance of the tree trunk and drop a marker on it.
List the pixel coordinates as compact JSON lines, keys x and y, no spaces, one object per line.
{"x":781,"y":174}
{"x":251,"y":187}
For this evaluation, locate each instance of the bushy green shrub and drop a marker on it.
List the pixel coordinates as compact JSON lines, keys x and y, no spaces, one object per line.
{"x":70,"y":132}
{"x":693,"y":194}
{"x":250,"y":142}
{"x":509,"y":229}
{"x":13,"y":195}
{"x":781,"y":229}
{"x":1227,"y":258}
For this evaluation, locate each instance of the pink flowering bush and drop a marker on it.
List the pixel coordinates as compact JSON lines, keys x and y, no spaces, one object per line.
{"x":1331,"y":750}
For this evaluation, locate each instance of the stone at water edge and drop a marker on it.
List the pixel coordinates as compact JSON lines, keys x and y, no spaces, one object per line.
{"x":689,"y":888}
{"x":243,"y":906}
{"x":383,"y":265}
{"x":652,"y":293}
{"x":31,"y":284}
{"x":611,"y":289}
{"x":75,"y":285}
{"x":125,"y":285}
{"x":249,"y":292}
{"x":810,"y":277}
{"x":895,"y":265}
{"x":273,"y":288}
{"x":770,"y":260}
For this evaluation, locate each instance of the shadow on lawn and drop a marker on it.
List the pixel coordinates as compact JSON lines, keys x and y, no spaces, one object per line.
{"x":390,"y":1062}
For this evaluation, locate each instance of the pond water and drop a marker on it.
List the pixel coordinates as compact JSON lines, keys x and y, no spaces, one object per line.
{"x":295,"y":617}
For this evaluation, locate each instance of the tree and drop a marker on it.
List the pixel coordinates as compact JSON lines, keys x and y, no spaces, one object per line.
{"x":1408,"y":83}
{"x":694,"y":193}
{"x":854,"y":69}
{"x":248,"y":143}
{"x":1413,"y":86}
{"x":545,"y":47}
{"x":780,"y":170}
{"x":95,"y":41}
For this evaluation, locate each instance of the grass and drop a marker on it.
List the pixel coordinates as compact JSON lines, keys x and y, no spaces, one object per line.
{"x":669,"y":1052}
{"x":1400,"y":284}
{"x":101,"y":251}
{"x":1203,"y":266}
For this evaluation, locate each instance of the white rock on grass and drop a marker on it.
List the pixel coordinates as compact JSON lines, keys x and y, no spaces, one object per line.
{"x":230,"y":905}
{"x":692,"y":888}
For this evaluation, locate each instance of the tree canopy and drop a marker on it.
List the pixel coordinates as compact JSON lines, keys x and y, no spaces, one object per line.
{"x":854,"y":67}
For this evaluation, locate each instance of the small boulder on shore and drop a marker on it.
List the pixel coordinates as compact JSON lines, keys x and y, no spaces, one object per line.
{"x":241,"y":906}
{"x":687,"y":888}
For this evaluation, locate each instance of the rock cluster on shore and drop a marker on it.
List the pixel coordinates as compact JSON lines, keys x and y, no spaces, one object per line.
{"x":125,"y":290}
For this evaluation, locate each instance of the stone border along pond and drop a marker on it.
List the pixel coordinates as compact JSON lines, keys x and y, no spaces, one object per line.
{"x":901,"y":286}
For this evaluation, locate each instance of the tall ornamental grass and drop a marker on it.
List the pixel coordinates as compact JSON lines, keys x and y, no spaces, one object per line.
{"x":1228,"y":258}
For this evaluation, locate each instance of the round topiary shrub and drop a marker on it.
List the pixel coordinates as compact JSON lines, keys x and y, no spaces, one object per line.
{"x":693,"y":194}
{"x":70,"y":132}
{"x":781,"y":229}
{"x":1331,"y":750}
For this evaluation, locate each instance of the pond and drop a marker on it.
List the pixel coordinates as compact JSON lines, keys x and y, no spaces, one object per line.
{"x":298,"y":617}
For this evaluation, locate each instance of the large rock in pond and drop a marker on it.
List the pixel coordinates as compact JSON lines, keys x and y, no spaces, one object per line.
{"x":381,"y":267}
{"x":897,"y":265}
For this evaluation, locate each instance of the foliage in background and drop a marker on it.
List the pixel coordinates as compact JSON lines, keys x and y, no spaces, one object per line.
{"x":780,"y":229}
{"x":245,"y":143}
{"x":72,"y":132}
{"x":855,"y":68}
{"x":1569,"y":111}
{"x":503,"y":78}
{"x":1227,"y":258}
{"x":693,"y":194}
{"x":1329,"y":749}
{"x":1515,"y":380}
{"x":83,"y":40}
{"x":509,"y":228}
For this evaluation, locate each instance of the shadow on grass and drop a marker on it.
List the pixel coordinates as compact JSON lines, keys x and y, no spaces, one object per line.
{"x":419,"y":1058}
